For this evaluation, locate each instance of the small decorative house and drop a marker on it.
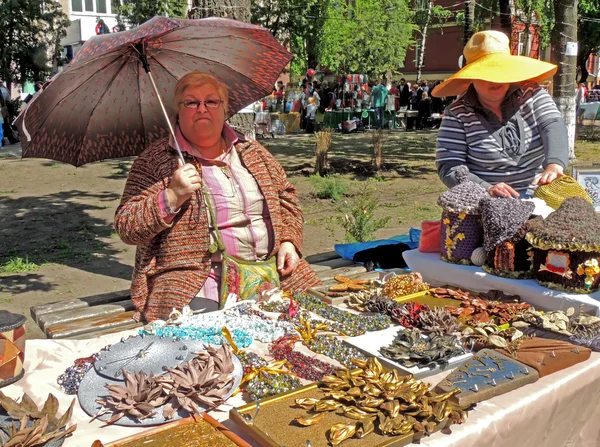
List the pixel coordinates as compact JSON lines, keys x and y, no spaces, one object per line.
{"x":12,"y":347}
{"x":462,"y":232}
{"x":505,"y":224}
{"x":566,"y":247}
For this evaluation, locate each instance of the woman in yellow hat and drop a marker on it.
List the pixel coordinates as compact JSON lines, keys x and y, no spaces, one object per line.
{"x":504,"y":127}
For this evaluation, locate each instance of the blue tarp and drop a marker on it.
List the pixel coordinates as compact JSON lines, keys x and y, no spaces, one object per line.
{"x":347,"y":251}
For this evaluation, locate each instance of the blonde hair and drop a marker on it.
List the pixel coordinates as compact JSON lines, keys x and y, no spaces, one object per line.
{"x":198,"y":79}
{"x":425,"y":95}
{"x":312,"y":100}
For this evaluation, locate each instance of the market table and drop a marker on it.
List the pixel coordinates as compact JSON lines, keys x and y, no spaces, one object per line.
{"x":438,"y":273}
{"x":333,"y":118}
{"x":589,"y":110}
{"x":562,"y":409}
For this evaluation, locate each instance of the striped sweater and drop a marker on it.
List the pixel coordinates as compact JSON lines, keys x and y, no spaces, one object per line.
{"x":531,"y":136}
{"x":173,"y":259}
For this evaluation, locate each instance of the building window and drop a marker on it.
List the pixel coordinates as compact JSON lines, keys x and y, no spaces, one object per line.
{"x":101,"y":6}
{"x":89,"y":5}
{"x":77,"y":5}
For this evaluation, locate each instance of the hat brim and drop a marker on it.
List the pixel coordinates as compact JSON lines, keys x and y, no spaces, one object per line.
{"x":500,"y":68}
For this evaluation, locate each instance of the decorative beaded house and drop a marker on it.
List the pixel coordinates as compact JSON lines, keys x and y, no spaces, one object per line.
{"x":505,"y":223}
{"x":566,"y":247}
{"x":12,"y":347}
{"x":462,"y":232}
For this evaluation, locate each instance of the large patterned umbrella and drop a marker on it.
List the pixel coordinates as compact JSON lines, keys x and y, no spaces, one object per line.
{"x":107,"y":102}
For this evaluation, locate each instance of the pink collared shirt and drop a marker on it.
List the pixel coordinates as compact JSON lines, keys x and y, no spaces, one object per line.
{"x":239,"y":206}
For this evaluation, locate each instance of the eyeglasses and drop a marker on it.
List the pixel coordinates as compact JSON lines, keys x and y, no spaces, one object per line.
{"x":208,"y":103}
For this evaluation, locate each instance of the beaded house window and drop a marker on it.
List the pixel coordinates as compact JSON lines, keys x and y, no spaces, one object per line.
{"x":558,"y":262}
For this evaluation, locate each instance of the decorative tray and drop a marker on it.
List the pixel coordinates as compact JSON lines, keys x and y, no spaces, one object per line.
{"x":487,"y":374}
{"x":371,"y":342}
{"x":336,"y":298}
{"x":196,"y":431}
{"x":427,"y":297}
{"x":270,"y":424}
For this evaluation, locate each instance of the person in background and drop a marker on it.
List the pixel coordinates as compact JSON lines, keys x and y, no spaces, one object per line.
{"x":415,"y":96}
{"x":378,"y":99}
{"x":316,"y":93}
{"x":230,"y":190}
{"x":396,"y":93}
{"x":8,"y":112}
{"x":311,"y":114}
{"x":425,"y":86}
{"x":437,"y":104}
{"x":504,"y":127}
{"x":404,"y":93}
{"x":581,"y":94}
{"x":424,"y":110}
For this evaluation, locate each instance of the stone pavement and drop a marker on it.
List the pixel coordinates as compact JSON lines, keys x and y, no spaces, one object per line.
{"x":11,"y":150}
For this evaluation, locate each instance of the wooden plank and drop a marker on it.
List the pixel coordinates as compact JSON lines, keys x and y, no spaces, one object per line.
{"x":89,"y":325}
{"x":331,"y":264}
{"x":345,"y":271}
{"x":59,"y":306}
{"x":321,"y":257}
{"x":110,"y":330}
{"x":84,"y":314}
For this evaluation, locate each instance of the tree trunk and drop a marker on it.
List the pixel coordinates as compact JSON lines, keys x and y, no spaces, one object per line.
{"x":469,"y":20}
{"x":421,"y":60}
{"x":505,"y":18}
{"x":231,"y":9}
{"x":565,"y":31}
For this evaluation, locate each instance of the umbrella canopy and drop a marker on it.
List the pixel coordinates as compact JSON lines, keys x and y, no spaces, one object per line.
{"x":103,"y":105}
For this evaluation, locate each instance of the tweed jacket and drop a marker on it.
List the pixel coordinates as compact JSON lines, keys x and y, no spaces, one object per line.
{"x":173,"y":260}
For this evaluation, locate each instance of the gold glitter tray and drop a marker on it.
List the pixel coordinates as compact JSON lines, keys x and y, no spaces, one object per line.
{"x":272,"y":425}
{"x":195,"y":431}
{"x":426,"y":297}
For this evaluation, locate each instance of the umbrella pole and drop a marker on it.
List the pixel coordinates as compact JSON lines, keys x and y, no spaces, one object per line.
{"x":162,"y":106}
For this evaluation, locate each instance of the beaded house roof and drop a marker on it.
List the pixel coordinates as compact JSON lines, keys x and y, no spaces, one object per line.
{"x":575,"y":226}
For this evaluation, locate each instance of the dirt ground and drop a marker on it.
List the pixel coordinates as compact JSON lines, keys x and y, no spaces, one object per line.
{"x":59,"y":218}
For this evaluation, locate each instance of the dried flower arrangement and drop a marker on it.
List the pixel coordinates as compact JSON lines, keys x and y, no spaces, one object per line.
{"x":139,"y":397}
{"x":377,"y":398}
{"x":203,"y":381}
{"x":439,"y":320}
{"x":410,"y":349}
{"x":32,"y":426}
{"x":409,"y":315}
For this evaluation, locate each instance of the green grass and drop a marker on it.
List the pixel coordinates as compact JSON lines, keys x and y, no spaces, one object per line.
{"x":332,"y":188}
{"x":18,"y":265}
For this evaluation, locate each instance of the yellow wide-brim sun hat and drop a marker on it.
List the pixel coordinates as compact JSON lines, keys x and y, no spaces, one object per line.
{"x":488,"y":58}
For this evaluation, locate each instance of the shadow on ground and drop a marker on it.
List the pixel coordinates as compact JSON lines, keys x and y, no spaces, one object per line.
{"x":405,"y":155}
{"x":57,"y":228}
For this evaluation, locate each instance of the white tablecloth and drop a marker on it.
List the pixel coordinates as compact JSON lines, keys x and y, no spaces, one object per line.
{"x":439,"y":273}
{"x":560,"y":410}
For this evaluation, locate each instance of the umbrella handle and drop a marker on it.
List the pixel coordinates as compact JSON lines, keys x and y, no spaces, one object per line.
{"x":162,"y":106}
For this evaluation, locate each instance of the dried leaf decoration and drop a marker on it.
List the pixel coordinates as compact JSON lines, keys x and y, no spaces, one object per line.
{"x":32,"y":426}
{"x":386,"y":402}
{"x":202,"y":382}
{"x":139,"y":398}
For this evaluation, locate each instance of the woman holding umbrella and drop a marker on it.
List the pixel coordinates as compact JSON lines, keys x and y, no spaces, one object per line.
{"x":229,"y":201}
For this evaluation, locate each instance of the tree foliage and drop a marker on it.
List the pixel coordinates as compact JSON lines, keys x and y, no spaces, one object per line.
{"x":588,"y":33}
{"x":297,"y":24}
{"x":365,"y":36}
{"x":135,"y":12}
{"x":29,"y":38}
